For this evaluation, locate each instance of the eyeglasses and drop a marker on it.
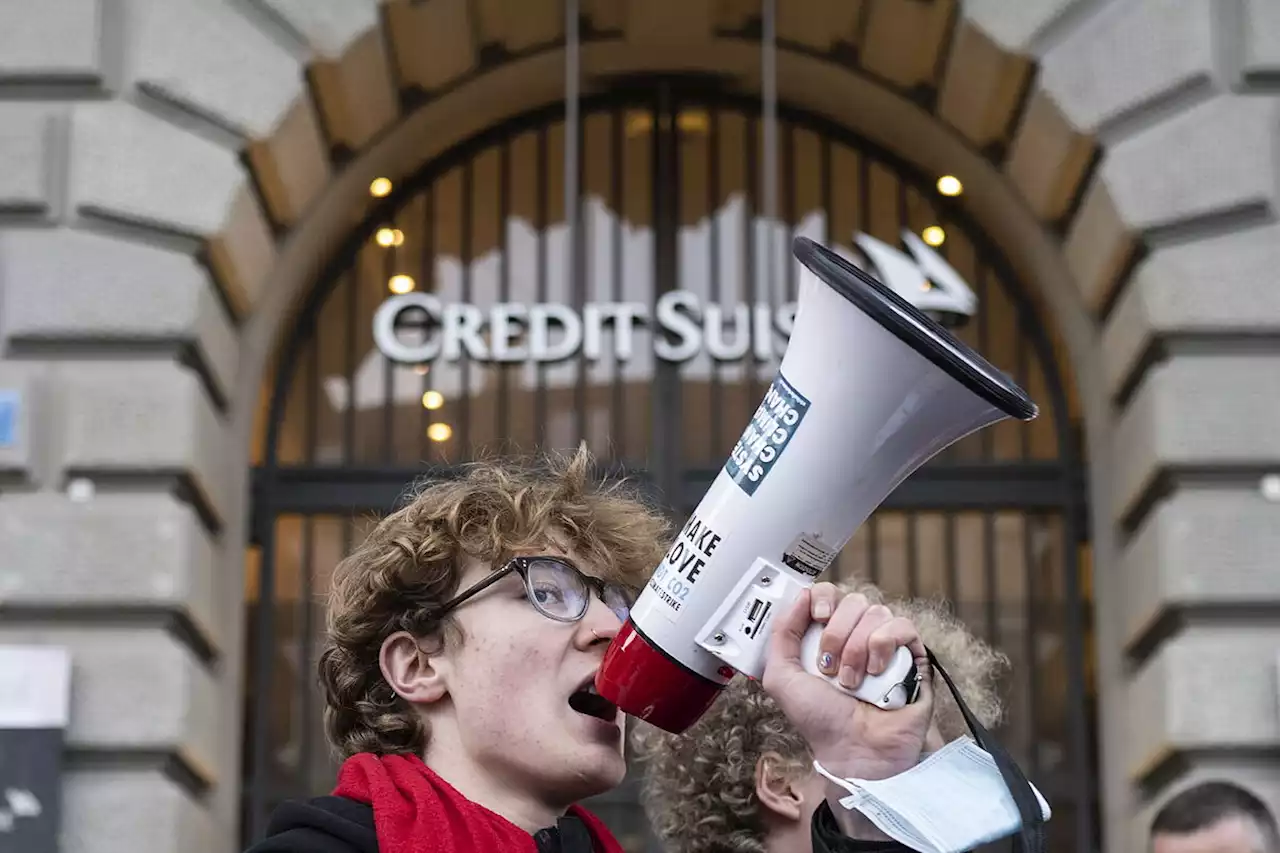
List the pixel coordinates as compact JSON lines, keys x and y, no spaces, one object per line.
{"x":555,"y":587}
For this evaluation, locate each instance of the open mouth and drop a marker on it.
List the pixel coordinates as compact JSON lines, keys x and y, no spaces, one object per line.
{"x":585,"y":700}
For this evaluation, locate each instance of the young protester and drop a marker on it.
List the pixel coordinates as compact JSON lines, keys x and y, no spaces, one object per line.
{"x":741,"y":780}
{"x":463,"y":639}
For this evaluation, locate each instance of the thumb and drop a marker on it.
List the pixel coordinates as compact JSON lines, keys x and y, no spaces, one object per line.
{"x":788,"y":632}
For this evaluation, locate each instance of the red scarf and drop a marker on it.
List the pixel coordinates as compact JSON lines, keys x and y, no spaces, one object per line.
{"x":416,"y":811}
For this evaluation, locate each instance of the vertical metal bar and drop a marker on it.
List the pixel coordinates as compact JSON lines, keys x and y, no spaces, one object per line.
{"x":1031,"y":635}
{"x":751,"y":287}
{"x":665,"y":408}
{"x":426,"y":281}
{"x":769,"y":110}
{"x":984,"y":332}
{"x":464,"y":249}
{"x":265,"y":624}
{"x":349,"y":416}
{"x":617,"y":198}
{"x":1074,"y":630}
{"x":306,"y":629}
{"x":824,"y":182}
{"x":715,"y":398}
{"x":540,"y":393}
{"x":989,"y":567}
{"x":388,"y":374}
{"x":789,"y":191}
{"x":572,"y":193}
{"x":578,"y":260}
{"x":502,"y":409}
{"x":953,"y":557}
{"x":306,"y":622}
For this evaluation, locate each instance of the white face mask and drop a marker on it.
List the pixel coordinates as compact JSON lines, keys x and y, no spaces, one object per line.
{"x":953,"y":801}
{"x":964,"y":795}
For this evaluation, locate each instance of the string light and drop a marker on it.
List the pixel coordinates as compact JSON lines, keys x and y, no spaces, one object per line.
{"x":432,"y":400}
{"x":380,"y":187}
{"x":439,"y":432}
{"x":400,"y":283}
{"x":934,"y":235}
{"x":389,"y":237}
{"x":950,"y":185}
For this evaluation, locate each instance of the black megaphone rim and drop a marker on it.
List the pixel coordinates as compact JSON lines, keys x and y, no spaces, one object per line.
{"x":910,"y":325}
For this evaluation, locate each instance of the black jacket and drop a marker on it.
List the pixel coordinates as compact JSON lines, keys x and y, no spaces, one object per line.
{"x":339,"y":825}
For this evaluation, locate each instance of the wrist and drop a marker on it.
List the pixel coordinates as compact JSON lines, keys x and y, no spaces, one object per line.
{"x":854,"y":763}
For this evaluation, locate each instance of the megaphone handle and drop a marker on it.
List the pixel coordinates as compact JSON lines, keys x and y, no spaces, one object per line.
{"x":891,"y":689}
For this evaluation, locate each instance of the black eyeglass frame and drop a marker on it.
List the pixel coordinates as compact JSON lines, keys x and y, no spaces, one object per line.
{"x":521,"y":566}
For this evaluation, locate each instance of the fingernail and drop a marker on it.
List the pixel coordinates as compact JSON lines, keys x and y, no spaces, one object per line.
{"x":822,"y":609}
{"x":848,"y":677}
{"x":824,"y":662}
{"x":873,"y":665}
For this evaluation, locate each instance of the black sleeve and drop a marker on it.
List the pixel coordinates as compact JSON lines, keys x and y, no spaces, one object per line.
{"x":827,"y":837}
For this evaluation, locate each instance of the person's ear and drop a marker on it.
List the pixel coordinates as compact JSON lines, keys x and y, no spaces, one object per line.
{"x":413,"y":673}
{"x":777,"y":786}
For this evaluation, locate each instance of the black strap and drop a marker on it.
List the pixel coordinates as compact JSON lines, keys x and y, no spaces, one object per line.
{"x":1030,"y":838}
{"x":569,"y":835}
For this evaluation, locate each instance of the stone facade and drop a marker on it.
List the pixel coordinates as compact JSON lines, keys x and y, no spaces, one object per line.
{"x":171,"y":172}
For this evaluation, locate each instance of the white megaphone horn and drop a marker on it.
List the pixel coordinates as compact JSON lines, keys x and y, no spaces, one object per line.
{"x":868,"y":391}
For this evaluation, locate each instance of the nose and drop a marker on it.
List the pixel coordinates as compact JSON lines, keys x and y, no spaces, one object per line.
{"x":599,"y":626}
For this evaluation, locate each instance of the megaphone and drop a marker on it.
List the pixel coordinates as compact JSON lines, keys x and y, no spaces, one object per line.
{"x":869,"y":389}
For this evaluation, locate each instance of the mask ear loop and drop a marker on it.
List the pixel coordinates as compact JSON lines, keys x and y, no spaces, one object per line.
{"x":1030,"y":837}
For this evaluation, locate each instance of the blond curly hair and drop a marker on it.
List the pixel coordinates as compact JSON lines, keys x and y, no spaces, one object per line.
{"x":699,"y":787}
{"x":412,"y":562}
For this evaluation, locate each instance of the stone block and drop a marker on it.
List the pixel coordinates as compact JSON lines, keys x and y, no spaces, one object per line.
{"x":1221,"y":285}
{"x":981,"y":86}
{"x":903,"y":41}
{"x":132,"y":419}
{"x":329,"y":26}
{"x":1216,"y":158}
{"x":1098,"y":247}
{"x":1015,"y":26}
{"x":355,"y":94}
{"x":1207,"y":548}
{"x":210,"y":59}
{"x":1261,"y":34}
{"x":1047,"y":159}
{"x":132,"y":552}
{"x":292,"y":166}
{"x":242,"y":253}
{"x":51,"y":41}
{"x":432,"y":44}
{"x":24,"y":409}
{"x":1129,"y":55}
{"x":25,"y":149}
{"x":130,"y":166}
{"x":820,"y":25}
{"x":669,"y":21}
{"x":1200,"y":412}
{"x":111,"y":291}
{"x":520,"y":26}
{"x":109,"y":810}
{"x":135,"y":688}
{"x":1167,"y":702}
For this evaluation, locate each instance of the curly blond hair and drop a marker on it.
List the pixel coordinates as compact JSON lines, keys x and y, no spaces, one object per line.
{"x":412,"y":562}
{"x":699,"y":788}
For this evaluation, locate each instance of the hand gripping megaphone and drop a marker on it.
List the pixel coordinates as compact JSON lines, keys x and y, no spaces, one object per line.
{"x":869,"y":389}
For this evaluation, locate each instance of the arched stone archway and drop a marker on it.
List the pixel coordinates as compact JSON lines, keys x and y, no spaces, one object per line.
{"x":176,"y":172}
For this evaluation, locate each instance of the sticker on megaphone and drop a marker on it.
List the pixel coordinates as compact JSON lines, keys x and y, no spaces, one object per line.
{"x":739,"y":631}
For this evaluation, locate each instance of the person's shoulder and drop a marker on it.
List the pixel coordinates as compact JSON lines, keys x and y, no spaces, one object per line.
{"x":320,"y":825}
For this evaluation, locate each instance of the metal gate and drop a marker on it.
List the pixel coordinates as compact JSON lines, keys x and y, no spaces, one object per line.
{"x":669,"y":199}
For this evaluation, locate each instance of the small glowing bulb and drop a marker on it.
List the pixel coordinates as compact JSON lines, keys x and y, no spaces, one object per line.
{"x":421,"y":369}
{"x":432,"y":400}
{"x":380,"y":187}
{"x":400,"y":283}
{"x":934,"y":235}
{"x":389,"y":237}
{"x":950,"y":185}
{"x":439,"y":432}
